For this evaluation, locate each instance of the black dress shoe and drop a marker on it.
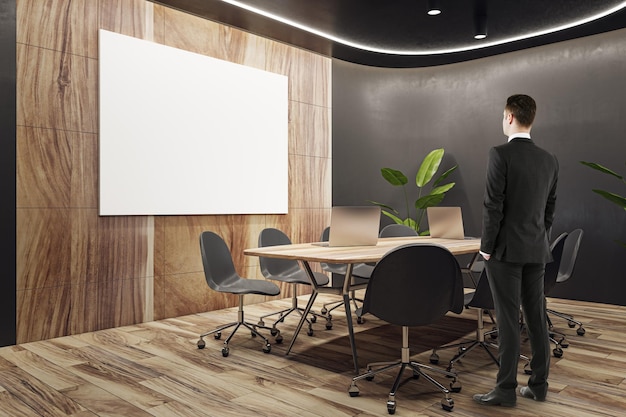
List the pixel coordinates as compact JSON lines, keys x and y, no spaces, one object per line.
{"x":494,"y":398}
{"x":527,"y":392}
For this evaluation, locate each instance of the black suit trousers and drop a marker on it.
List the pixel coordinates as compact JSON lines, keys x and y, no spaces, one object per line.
{"x":512,"y":285}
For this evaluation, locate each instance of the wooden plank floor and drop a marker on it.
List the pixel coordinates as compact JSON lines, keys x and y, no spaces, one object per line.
{"x":155,"y":369}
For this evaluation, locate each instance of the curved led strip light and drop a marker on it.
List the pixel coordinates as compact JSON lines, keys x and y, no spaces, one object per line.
{"x":421,"y":52}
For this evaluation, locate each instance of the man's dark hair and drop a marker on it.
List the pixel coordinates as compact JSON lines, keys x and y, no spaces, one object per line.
{"x":523,"y":108}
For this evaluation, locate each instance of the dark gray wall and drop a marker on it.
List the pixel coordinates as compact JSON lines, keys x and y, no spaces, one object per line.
{"x":393,"y":117}
{"x":7,"y":172}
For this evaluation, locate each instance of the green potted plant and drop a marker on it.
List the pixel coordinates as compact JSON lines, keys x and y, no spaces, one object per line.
{"x":426,"y":172}
{"x":612,"y":197}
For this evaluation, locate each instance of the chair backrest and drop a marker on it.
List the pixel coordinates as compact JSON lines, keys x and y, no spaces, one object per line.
{"x":414,"y":285}
{"x":552,"y":268}
{"x":482,"y":297}
{"x":272,"y":267}
{"x":219,"y":269}
{"x":570,"y":253}
{"x":397,"y":230}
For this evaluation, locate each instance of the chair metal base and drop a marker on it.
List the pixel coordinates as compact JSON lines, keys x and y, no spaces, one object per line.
{"x":325,"y":311}
{"x":282,"y":314}
{"x":237,"y":324}
{"x":418,"y":369}
{"x":571,"y":322}
{"x":466,"y":347}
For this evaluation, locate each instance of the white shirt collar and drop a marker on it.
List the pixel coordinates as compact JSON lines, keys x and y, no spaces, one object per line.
{"x":519,"y":135}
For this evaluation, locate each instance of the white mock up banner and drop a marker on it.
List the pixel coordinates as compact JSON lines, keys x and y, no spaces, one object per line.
{"x":185,"y":134}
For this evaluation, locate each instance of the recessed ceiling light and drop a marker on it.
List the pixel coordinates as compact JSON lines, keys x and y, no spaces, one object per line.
{"x":480,"y":26}
{"x":433,"y":8}
{"x":421,"y":52}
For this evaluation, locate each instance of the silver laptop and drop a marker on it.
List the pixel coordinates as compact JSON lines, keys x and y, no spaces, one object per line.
{"x":445,"y":222}
{"x":353,"y":226}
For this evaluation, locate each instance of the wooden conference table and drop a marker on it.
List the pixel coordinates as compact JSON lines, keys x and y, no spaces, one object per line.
{"x":306,"y":253}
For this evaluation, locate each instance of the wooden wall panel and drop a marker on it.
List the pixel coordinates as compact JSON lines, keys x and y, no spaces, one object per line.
{"x":59,"y":25}
{"x":56,"y":90}
{"x":79,"y":272}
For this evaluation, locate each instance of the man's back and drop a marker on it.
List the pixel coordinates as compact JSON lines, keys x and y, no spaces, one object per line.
{"x":520,"y":201}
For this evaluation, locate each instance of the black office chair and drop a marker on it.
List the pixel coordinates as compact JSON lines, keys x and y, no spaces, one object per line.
{"x":397,"y":230}
{"x":413,"y":285}
{"x":481,"y":300}
{"x":361,"y":271}
{"x":568,"y":261}
{"x":221,"y":276}
{"x":288,"y":271}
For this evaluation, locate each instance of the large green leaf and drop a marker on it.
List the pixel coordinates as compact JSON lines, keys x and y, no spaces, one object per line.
{"x":430,"y":200}
{"x":601,"y":168}
{"x":442,"y":189}
{"x":383,"y":206}
{"x":614,"y":198}
{"x":410,"y":222}
{"x":393,"y":217}
{"x":445,"y":175}
{"x":429,"y":166}
{"x":393,"y":176}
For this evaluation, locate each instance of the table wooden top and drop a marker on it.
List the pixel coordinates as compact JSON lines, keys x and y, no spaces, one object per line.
{"x":356,"y":254}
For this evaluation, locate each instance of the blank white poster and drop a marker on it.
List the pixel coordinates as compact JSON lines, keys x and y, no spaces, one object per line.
{"x":184,"y":134}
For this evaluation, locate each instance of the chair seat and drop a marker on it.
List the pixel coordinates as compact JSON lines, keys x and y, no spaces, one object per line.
{"x":250,"y":286}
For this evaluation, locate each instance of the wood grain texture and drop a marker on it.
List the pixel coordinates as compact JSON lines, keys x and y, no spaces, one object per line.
{"x":59,"y":25}
{"x":56,"y":90}
{"x":155,"y":369}
{"x":79,"y":272}
{"x":309,"y":130}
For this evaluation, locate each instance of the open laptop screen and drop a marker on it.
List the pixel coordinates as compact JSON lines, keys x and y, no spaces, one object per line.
{"x":445,"y":222}
{"x":354,"y":226}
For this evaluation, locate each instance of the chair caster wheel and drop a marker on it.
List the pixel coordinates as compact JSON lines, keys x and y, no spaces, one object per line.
{"x":329,"y":325}
{"x":455,"y":386}
{"x":323,"y":310}
{"x":434,"y":359}
{"x":391,"y":407}
{"x":571,"y":325}
{"x":218,"y":335}
{"x":279,"y":338}
{"x":580,"y":331}
{"x":557,"y":352}
{"x":274,"y":331}
{"x":447,"y":404}
{"x":252,"y":334}
{"x":225,"y":352}
{"x":201,"y":344}
{"x":353,"y":390}
{"x":309,"y":332}
{"x":261,"y":323}
{"x":313,"y":318}
{"x":564,"y":344}
{"x":267,"y":348}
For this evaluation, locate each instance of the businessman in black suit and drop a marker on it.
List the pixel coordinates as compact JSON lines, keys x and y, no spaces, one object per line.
{"x":518,"y":210}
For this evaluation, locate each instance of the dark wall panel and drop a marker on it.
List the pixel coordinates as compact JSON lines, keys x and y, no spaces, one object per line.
{"x":7,"y":172}
{"x":393,"y":117}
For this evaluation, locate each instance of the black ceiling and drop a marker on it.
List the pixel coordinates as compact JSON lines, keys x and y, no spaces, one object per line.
{"x":399,"y":33}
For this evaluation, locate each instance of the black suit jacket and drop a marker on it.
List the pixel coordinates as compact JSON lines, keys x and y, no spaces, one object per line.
{"x":519,"y":203}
